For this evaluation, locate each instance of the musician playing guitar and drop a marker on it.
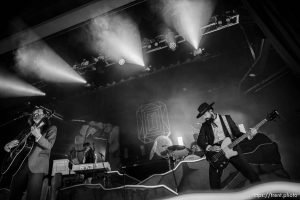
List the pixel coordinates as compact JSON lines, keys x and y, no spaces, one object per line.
{"x":214,"y":130}
{"x":29,"y":175}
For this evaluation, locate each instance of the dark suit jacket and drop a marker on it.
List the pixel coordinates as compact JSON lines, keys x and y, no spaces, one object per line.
{"x":38,"y":160}
{"x":206,"y":136}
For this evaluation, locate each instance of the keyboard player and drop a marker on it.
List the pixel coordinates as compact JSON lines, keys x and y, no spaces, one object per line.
{"x":89,"y":156}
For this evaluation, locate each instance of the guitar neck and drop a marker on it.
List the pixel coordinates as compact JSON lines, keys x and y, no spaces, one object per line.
{"x":237,"y":141}
{"x":23,"y":135}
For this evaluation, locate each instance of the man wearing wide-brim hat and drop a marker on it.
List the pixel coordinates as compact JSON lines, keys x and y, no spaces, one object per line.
{"x":212,"y":133}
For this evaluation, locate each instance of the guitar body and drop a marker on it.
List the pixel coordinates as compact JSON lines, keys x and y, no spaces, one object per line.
{"x":227,"y":151}
{"x":13,"y":162}
{"x":220,"y":160}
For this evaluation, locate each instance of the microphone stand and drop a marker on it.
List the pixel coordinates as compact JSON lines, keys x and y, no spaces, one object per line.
{"x":15,"y":119}
{"x":105,"y":178}
{"x":172,"y":169}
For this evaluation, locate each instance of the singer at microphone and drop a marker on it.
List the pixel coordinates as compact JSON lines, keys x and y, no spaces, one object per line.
{"x":39,"y":136}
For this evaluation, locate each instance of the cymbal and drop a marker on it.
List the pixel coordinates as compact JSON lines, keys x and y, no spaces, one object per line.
{"x":176,"y":147}
{"x":171,"y":149}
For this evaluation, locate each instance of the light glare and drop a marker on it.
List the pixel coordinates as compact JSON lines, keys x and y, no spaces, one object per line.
{"x":180,"y":141}
{"x":122,"y":61}
{"x":11,"y":86}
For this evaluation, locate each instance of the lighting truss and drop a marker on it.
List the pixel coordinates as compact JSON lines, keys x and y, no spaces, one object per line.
{"x":220,"y":22}
{"x":160,"y":43}
{"x":216,"y":23}
{"x":84,"y":66}
{"x":87,"y":65}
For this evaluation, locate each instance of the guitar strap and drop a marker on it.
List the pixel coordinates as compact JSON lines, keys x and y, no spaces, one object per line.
{"x":227,"y":125}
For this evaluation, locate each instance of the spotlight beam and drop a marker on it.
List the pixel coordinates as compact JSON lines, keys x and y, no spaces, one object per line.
{"x":11,"y":86}
{"x":187,"y":17}
{"x":117,"y":37}
{"x":40,"y":61}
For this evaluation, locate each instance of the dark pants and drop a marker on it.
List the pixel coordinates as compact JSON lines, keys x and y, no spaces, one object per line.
{"x":240,"y":163}
{"x":26,"y":180}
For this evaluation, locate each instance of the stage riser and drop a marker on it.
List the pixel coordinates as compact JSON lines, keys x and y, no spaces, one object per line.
{"x":96,"y":193}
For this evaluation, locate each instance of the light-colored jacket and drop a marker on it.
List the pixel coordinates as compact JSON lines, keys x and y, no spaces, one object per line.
{"x":38,"y":160}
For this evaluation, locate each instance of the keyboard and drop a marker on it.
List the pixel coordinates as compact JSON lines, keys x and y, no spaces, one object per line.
{"x":91,"y":167}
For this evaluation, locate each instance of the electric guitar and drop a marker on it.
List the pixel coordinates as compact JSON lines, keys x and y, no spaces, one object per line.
{"x":219,"y":160}
{"x":17,"y":155}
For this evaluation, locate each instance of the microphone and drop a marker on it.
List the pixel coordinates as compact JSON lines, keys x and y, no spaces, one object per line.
{"x":26,"y":114}
{"x":56,"y":115}
{"x":101,"y":154}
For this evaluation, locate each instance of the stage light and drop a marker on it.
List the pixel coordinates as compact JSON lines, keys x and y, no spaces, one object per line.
{"x":170,"y":39}
{"x":131,"y":56}
{"x":118,"y":37}
{"x":148,"y":68}
{"x":180,"y":141}
{"x":198,"y":51}
{"x":172,"y":46}
{"x":122,"y":61}
{"x":147,"y":43}
{"x":87,"y":85}
{"x":187,"y":17}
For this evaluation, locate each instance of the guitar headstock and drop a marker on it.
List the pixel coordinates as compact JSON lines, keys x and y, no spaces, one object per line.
{"x":272,"y":116}
{"x":49,"y":114}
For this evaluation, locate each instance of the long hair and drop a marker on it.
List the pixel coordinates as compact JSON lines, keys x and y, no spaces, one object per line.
{"x":46,"y":121}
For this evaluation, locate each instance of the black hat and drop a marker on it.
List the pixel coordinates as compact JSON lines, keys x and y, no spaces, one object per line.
{"x":203,"y":108}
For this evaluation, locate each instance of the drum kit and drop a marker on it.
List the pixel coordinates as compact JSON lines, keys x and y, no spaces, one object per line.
{"x":178,"y":153}
{"x":164,"y":148}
